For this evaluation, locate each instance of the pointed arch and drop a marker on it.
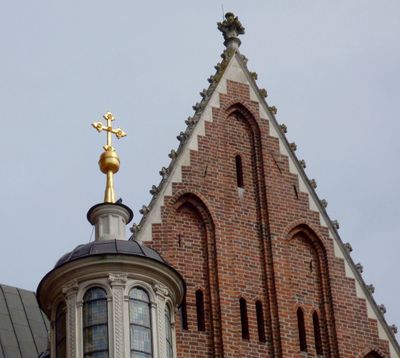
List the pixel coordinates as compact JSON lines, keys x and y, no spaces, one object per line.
{"x":310,"y":272}
{"x":373,"y":354}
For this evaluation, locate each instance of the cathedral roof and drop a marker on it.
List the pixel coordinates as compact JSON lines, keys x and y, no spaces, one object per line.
{"x":23,"y":326}
{"x":110,"y":247}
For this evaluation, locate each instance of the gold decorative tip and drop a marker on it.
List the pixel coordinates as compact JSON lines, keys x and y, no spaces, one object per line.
{"x":109,"y":161}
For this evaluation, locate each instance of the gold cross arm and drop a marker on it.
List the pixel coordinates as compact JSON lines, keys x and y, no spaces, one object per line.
{"x":119,"y":133}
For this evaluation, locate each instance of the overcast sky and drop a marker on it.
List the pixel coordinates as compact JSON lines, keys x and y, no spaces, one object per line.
{"x":331,"y":67}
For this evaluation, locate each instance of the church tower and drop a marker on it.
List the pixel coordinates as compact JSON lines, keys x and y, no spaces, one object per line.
{"x":267,"y":273}
{"x":111,"y":298}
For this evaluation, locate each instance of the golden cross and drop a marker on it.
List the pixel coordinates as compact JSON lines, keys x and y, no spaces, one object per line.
{"x":109,"y":160}
{"x":109,"y":129}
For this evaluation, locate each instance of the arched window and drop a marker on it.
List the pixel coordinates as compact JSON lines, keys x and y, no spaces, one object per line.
{"x":95,"y":327}
{"x":317,"y":334}
{"x":260,"y":321}
{"x":200,"y":310}
{"x":302,"y":330}
{"x":140,"y":324}
{"x":183,"y":311}
{"x":60,"y":324}
{"x":239,"y":171}
{"x":244,"y":319}
{"x":168,"y":333}
{"x":373,"y":354}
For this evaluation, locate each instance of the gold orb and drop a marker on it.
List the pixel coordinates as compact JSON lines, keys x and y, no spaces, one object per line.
{"x":109,"y":161}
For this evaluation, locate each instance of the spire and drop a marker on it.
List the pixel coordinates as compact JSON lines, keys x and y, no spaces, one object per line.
{"x":109,"y":160}
{"x":231,"y":28}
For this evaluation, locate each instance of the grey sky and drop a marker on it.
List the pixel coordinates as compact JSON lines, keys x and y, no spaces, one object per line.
{"x":331,"y":68}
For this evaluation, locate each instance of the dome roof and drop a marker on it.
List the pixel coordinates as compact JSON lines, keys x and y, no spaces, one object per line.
{"x":110,"y":247}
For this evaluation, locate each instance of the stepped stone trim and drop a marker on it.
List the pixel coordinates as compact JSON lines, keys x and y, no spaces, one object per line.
{"x":236,"y":70}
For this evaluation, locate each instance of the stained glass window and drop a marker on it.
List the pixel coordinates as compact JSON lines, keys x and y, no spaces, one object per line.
{"x":60,"y":324}
{"x":168,"y":333}
{"x":95,"y":326}
{"x":140,"y":324}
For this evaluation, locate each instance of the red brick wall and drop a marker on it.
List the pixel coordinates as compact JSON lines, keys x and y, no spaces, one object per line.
{"x":258,"y":246}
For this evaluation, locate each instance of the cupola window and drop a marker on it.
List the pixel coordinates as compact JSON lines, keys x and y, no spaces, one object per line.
{"x":95,"y":323}
{"x":168,"y":333}
{"x":140,"y":324}
{"x":60,"y":324}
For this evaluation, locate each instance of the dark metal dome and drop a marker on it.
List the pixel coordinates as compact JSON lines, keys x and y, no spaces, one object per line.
{"x":110,"y":247}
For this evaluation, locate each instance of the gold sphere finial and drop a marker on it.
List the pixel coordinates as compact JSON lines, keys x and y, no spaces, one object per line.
{"x":109,"y":160}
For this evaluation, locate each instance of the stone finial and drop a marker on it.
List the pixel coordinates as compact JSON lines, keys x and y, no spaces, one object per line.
{"x":190,"y":121}
{"x":393,"y":328}
{"x":144,"y":210}
{"x":283,"y":128}
{"x":293,"y":146}
{"x":154,"y":190}
{"x":203,"y":93}
{"x":273,"y":110}
{"x":244,"y":59}
{"x":360,"y":268}
{"x":211,"y":79}
{"x":313,"y":183}
{"x":231,"y":28}
{"x":303,"y":164}
{"x":173,"y":154}
{"x":254,"y":75}
{"x":324,"y":203}
{"x":371,"y":288}
{"x":217,"y":66}
{"x":196,"y":107}
{"x":382,"y":308}
{"x":181,"y":137}
{"x":348,"y":247}
{"x":164,"y":172}
{"x":134,"y":228}
{"x":335,"y":224}
{"x":263,"y":92}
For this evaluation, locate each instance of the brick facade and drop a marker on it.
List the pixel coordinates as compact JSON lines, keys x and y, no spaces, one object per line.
{"x":261,"y":243}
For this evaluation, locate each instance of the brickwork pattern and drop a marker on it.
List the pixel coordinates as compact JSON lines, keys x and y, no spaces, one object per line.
{"x":263,"y":244}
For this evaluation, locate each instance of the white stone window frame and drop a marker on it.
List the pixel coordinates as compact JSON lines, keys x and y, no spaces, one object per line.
{"x":83,"y":288}
{"x":170,"y":306}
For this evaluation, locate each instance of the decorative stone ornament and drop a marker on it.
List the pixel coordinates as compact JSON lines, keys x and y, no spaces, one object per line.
{"x":348,"y":247}
{"x":360,"y":268}
{"x":283,"y":128}
{"x":293,"y":146}
{"x":231,"y":28}
{"x":254,"y":75}
{"x":154,"y":190}
{"x":181,"y":137}
{"x":273,"y":110}
{"x":144,"y":210}
{"x":394,"y":329}
{"x":313,"y":183}
{"x":173,"y":154}
{"x":382,"y":308}
{"x":324,"y":203}
{"x":335,"y":224}
{"x":371,"y":288}
{"x":263,"y":92}
{"x":303,"y":164}
{"x":164,"y":172}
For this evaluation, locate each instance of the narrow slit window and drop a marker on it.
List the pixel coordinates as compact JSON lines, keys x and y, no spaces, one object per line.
{"x":184,"y":319}
{"x":200,"y":310}
{"x":317,"y":334}
{"x":260,"y":321}
{"x":244,"y":319}
{"x":239,"y":171}
{"x":302,"y":330}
